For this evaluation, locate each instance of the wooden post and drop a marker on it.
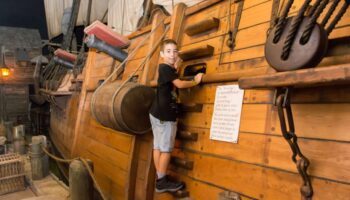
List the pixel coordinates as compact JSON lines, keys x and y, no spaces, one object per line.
{"x":38,"y":160}
{"x":151,"y":63}
{"x":80,"y":182}
{"x":176,"y":29}
{"x":176,"y":23}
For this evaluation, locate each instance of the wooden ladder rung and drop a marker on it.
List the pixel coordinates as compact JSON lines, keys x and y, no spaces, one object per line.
{"x":181,"y":193}
{"x":191,"y":107}
{"x":183,"y":163}
{"x":77,"y":80}
{"x":198,"y":52}
{"x":202,"y":26}
{"x":186,"y":135}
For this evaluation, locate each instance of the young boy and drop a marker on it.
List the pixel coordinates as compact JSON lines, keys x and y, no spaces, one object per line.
{"x":163,"y":114}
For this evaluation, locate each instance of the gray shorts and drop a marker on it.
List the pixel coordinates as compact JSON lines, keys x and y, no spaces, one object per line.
{"x":164,"y":133}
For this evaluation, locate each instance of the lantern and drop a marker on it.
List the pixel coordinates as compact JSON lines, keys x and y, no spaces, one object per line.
{"x":5,"y":71}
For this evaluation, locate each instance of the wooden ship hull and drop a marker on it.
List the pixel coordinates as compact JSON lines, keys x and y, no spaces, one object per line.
{"x":259,"y":166}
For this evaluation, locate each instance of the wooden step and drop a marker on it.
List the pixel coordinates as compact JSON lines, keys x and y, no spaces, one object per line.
{"x":180,"y":162}
{"x":186,"y":135}
{"x":337,"y":74}
{"x":181,"y":194}
{"x":202,"y":26}
{"x":77,"y":80}
{"x":74,"y":88}
{"x":198,"y":52}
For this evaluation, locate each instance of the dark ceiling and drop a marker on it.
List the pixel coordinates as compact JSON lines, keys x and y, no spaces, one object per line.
{"x":24,"y":13}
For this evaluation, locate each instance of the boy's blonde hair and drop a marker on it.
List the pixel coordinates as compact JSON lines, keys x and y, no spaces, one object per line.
{"x":167,"y":41}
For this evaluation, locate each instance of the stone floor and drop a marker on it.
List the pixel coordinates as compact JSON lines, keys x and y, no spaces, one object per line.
{"x":48,"y":188}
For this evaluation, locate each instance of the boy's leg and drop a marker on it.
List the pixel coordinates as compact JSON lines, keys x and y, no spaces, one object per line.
{"x":166,"y":146}
{"x":156,"y":158}
{"x":163,"y":163}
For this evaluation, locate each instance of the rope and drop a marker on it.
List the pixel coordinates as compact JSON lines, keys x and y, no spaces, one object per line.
{"x":314,"y":7}
{"x":55,"y":157}
{"x":282,"y":21}
{"x":85,"y":163}
{"x":310,"y":26}
{"x":329,"y":13}
{"x":293,"y":30}
{"x":338,"y":17}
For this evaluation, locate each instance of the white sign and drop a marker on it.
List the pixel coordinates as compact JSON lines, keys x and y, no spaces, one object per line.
{"x":227,"y":113}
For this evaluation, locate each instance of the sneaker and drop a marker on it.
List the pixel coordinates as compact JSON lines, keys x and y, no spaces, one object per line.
{"x":166,"y":185}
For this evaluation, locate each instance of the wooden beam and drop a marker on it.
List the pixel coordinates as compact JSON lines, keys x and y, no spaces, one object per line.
{"x":338,"y":74}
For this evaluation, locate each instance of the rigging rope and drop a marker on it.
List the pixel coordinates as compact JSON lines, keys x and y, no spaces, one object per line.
{"x":317,"y":10}
{"x":294,"y":28}
{"x":282,"y":21}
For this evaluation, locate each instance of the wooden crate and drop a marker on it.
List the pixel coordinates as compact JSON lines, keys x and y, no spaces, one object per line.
{"x":11,"y":173}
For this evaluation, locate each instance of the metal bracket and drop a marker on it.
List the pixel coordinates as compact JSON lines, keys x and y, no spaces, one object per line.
{"x":232,"y":33}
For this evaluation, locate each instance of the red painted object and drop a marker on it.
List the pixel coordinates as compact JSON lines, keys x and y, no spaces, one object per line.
{"x":65,"y":55}
{"x":106,"y":34}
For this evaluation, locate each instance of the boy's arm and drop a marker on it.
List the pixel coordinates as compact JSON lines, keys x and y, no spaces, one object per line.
{"x":187,"y":84}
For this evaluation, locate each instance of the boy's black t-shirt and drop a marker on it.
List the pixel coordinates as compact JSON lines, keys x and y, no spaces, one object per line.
{"x":162,"y":105}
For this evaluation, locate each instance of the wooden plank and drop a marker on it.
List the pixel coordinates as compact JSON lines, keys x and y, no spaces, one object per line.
{"x":274,"y":151}
{"x":206,"y":94}
{"x":256,"y":181}
{"x":131,"y":68}
{"x":109,"y":137}
{"x":248,"y":37}
{"x":324,"y":121}
{"x":116,"y":158}
{"x":109,"y":188}
{"x":330,"y":94}
{"x":118,"y":175}
{"x":196,"y":189}
{"x":243,"y":54}
{"x":255,"y":14}
{"x":214,"y":42}
{"x":251,"y":114}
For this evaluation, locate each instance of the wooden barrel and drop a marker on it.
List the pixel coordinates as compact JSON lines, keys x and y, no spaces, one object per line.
{"x":126,"y":110}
